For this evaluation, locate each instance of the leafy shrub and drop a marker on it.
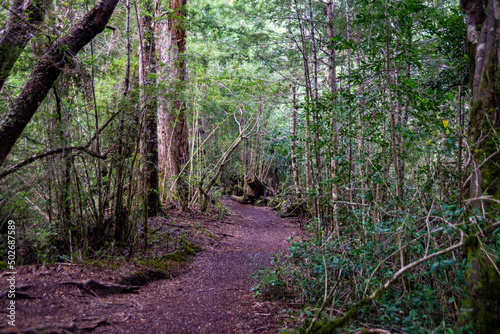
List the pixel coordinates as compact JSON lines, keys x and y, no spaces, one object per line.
{"x":426,"y":299}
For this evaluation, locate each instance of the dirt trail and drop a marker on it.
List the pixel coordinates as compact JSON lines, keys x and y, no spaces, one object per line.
{"x":212,"y":297}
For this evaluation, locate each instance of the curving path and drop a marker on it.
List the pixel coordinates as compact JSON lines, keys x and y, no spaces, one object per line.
{"x":214,"y":296}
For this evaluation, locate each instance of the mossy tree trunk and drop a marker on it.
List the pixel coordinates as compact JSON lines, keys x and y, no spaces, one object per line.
{"x":482,"y":304}
{"x":483,"y":30}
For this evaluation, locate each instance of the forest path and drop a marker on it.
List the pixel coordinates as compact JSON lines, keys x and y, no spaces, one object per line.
{"x":214,"y":296}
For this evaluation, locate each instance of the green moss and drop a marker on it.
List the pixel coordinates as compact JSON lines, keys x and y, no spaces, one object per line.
{"x":481,"y":306}
{"x":175,"y":256}
{"x":161,"y":263}
{"x":189,"y":248}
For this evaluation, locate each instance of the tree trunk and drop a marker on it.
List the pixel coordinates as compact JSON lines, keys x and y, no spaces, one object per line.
{"x":147,"y":78}
{"x":64,"y":139}
{"x":205,"y":191}
{"x":484,"y":49}
{"x":47,"y":70}
{"x":120,"y":233}
{"x":307,"y":78}
{"x":483,"y":281}
{"x":25,"y":17}
{"x":317,"y":148}
{"x":332,"y":86}
{"x":293,"y":146}
{"x":173,"y":144}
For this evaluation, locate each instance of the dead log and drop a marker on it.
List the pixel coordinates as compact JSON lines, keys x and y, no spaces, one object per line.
{"x":87,"y":325}
{"x":254,"y":189}
{"x":289,"y":209}
{"x":245,"y":199}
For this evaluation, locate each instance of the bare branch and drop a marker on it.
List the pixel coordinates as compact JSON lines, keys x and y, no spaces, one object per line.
{"x":36,"y":157}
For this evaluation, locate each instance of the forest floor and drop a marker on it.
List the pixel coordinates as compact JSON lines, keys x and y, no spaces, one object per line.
{"x":210,"y":293}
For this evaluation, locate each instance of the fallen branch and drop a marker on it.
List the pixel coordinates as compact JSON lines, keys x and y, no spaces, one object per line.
{"x":94,"y":323}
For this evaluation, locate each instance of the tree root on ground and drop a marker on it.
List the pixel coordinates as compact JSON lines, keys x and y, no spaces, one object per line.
{"x":97,"y":288}
{"x":64,"y":328}
{"x":18,"y":293}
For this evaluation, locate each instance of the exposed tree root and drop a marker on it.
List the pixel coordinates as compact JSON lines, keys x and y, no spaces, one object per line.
{"x":69,"y":327}
{"x":18,"y":293}
{"x":97,"y":288}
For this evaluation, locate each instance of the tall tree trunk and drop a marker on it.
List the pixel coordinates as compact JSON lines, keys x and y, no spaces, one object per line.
{"x":317,"y":149}
{"x":305,"y":59}
{"x":64,"y":139}
{"x":25,"y":17}
{"x":47,"y":70}
{"x":332,"y":86}
{"x":147,"y":78}
{"x":172,"y":125}
{"x":120,"y":233}
{"x":460,"y":121}
{"x":293,"y":146}
{"x":484,"y":49}
{"x":483,"y":281}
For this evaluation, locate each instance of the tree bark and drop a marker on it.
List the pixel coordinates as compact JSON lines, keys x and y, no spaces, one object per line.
{"x":25,"y":17}
{"x":483,"y":44}
{"x":481,"y":306}
{"x":317,"y":149}
{"x":47,"y":70}
{"x":121,"y":231}
{"x":173,"y":144}
{"x":332,"y":87}
{"x":147,"y":77}
{"x":293,"y":146}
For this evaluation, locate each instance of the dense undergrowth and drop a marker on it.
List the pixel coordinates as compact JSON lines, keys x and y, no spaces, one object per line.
{"x":327,"y":275}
